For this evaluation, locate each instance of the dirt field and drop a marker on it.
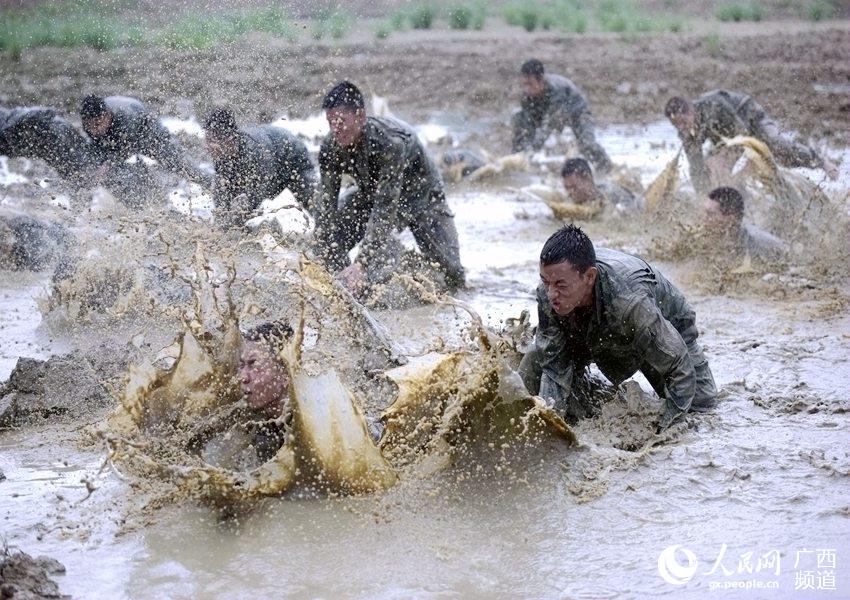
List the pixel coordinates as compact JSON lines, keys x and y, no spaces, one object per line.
{"x":799,"y":71}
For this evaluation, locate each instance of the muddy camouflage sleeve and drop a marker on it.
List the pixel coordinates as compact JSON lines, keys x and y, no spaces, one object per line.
{"x":664,"y":350}
{"x":329,"y":184}
{"x":697,"y":169}
{"x":385,"y":192}
{"x":553,"y":352}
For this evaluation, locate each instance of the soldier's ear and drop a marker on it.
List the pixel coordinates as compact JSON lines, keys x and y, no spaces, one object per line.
{"x":590,"y":274}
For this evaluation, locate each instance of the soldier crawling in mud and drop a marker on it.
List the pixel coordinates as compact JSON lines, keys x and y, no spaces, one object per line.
{"x":121,"y":127}
{"x":583,"y":190}
{"x":38,"y":132}
{"x":254,"y":163}
{"x":551,"y":102}
{"x":724,"y":222}
{"x":264,"y":409}
{"x":615,"y":310}
{"x":725,"y":114}
{"x":398,"y":186}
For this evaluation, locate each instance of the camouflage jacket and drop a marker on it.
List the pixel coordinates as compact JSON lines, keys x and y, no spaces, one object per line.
{"x":392,"y":170}
{"x":559,"y":104}
{"x":38,"y":132}
{"x":268,"y":160}
{"x":762,"y":246}
{"x":638,"y":318}
{"x":619,"y":198}
{"x":136,"y":130}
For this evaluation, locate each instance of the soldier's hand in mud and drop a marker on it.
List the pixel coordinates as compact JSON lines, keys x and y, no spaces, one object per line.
{"x":353,"y":278}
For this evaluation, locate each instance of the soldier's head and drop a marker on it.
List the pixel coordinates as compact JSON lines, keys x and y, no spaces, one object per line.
{"x":263,"y":377}
{"x":681,"y":114}
{"x":345,"y":110}
{"x":578,"y":180}
{"x":221,"y":133}
{"x":568,"y":269}
{"x":533,"y":81}
{"x":724,"y":209}
{"x":96,"y":116}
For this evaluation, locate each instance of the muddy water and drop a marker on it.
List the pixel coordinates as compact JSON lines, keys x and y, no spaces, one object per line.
{"x":767,"y":472}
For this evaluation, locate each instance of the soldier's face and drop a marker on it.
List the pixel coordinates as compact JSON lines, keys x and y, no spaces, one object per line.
{"x":346,"y":124}
{"x":580,"y":189}
{"x":684,"y":122}
{"x":716,"y":220}
{"x":566,"y":288}
{"x":98,"y":126}
{"x":533,"y":85}
{"x":220,"y":146}
{"x":263,"y":379}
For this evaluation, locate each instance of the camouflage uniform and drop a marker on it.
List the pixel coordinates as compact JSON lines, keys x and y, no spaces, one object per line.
{"x":721,"y":113}
{"x":398,"y":186}
{"x":618,"y":197}
{"x":136,"y":130}
{"x":27,"y":243}
{"x":562,"y":103}
{"x":37,"y":132}
{"x":639,"y":322}
{"x":267,"y":161}
{"x":762,"y":246}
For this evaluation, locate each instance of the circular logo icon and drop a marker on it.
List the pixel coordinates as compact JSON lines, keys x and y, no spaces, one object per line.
{"x":671,"y":570}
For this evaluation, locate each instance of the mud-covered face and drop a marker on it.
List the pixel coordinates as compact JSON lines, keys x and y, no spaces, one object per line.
{"x":715,"y":220}
{"x":533,"y":85}
{"x":684,"y":122}
{"x":566,"y":288}
{"x":580,"y":189}
{"x":346,"y":124}
{"x":263,"y":379}
{"x":98,"y":126}
{"x":220,"y":145}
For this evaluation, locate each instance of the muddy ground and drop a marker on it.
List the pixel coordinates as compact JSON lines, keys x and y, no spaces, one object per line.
{"x":799,"y":72}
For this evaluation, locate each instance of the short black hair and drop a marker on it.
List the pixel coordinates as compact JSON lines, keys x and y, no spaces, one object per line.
{"x":676,"y":106}
{"x":220,"y":121}
{"x":93,"y":106}
{"x":344,"y":95}
{"x":569,"y":244}
{"x":271,"y":333}
{"x":532,"y":67}
{"x":730,"y":200}
{"x":577,"y":166}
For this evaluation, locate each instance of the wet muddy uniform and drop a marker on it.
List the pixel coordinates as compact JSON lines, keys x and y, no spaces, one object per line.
{"x":760,"y":245}
{"x":268,"y":161}
{"x":721,"y":113}
{"x":37,"y":132}
{"x":398,"y":186}
{"x":639,"y":322}
{"x":561,"y":104}
{"x":619,"y":198}
{"x":27,"y":243}
{"x":137,"y":131}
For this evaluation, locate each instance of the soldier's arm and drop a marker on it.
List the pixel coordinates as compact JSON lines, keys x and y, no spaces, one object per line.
{"x":698,"y":170}
{"x":386,"y":190}
{"x":556,"y":362}
{"x":327,"y":196}
{"x":301,"y":177}
{"x":662,"y":348}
